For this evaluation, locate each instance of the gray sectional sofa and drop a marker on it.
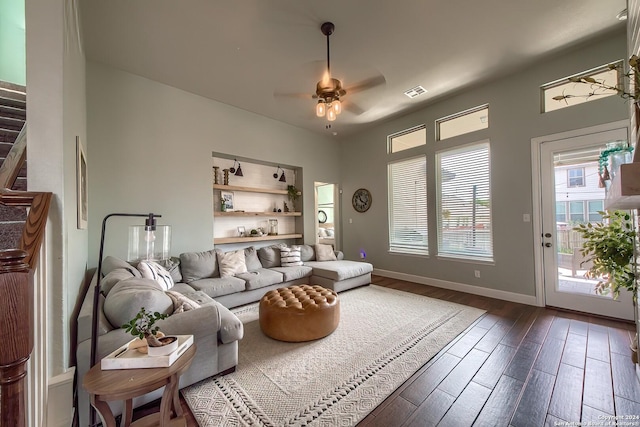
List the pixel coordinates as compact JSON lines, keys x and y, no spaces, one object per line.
{"x":203,"y":286}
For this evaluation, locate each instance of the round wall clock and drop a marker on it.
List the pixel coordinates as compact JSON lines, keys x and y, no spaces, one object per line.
{"x":361,"y":200}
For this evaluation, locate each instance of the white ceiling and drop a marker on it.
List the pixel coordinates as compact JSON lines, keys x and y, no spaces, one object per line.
{"x":242,"y":52}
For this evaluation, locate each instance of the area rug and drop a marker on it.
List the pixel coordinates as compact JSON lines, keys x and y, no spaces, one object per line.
{"x":383,"y":338}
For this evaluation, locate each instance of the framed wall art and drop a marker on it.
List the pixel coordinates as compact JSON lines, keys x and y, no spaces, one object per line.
{"x":81,"y":185}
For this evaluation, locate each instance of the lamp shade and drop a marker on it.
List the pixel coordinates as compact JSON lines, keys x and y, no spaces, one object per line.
{"x":337,"y":106}
{"x":331,"y":114}
{"x":149,"y":243}
{"x":321,"y":108}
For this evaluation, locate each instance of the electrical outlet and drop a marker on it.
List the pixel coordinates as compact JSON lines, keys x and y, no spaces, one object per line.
{"x":476,"y":273}
{"x":526,"y":218}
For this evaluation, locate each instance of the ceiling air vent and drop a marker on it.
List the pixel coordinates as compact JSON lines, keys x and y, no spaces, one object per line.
{"x":415,"y":91}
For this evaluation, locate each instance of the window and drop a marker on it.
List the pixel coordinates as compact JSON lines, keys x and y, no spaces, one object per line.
{"x":463,"y":122}
{"x":575,"y":177}
{"x":561,"y":212}
{"x":409,"y":138}
{"x":464,"y":203}
{"x":581,"y":92}
{"x":408,"y":206}
{"x":576,"y":211}
{"x":595,"y":206}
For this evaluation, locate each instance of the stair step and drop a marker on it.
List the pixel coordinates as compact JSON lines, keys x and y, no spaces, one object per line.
{"x":10,"y":102}
{"x":20,"y":184}
{"x":12,"y":94}
{"x":8,"y":135}
{"x":12,"y":213}
{"x":13,"y":112}
{"x":13,"y":86}
{"x":11,"y":123}
{"x":5,"y":147}
{"x":10,"y":234}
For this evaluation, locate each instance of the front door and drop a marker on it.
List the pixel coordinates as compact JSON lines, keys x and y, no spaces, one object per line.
{"x":572,"y":194}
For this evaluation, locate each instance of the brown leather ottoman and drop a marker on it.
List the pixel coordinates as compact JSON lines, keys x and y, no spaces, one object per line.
{"x":299,"y":313}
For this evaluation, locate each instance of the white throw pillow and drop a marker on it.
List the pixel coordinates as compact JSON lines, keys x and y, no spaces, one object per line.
{"x":290,"y":257}
{"x":154,"y":271}
{"x":231,"y":263}
{"x":325,"y":253}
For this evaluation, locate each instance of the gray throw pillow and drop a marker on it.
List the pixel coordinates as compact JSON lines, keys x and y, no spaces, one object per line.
{"x":270,"y":255}
{"x":307,"y":253}
{"x":251,"y":259}
{"x":128,"y":296}
{"x":110,"y":280}
{"x":110,"y":263}
{"x":199,"y":265}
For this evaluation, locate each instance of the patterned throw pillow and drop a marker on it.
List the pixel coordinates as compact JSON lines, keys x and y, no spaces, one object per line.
{"x":231,"y":263}
{"x":154,"y":271}
{"x":290,"y":257}
{"x":181,"y":303}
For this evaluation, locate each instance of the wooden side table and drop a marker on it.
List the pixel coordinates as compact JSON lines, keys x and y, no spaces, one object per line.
{"x":125,"y":384}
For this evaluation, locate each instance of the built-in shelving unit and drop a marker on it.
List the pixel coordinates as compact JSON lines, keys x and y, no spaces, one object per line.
{"x":224,"y":240}
{"x":255,"y":195}
{"x":624,"y":192}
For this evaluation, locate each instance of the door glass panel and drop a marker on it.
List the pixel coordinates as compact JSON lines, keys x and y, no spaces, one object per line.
{"x":577,"y":187}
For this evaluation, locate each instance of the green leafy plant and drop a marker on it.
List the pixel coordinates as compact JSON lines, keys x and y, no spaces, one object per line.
{"x":609,"y":246}
{"x":143,"y":326}
{"x":292,"y":193}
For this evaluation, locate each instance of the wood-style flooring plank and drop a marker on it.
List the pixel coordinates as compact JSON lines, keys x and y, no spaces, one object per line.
{"x":549,"y":357}
{"x":421,"y":387}
{"x":566,"y":400}
{"x":515,"y":336}
{"x":598,"y":345}
{"x":575,"y":350}
{"x":394,"y":414}
{"x":619,"y":341}
{"x":625,"y":407}
{"x":466,"y":407}
{"x":501,"y":403}
{"x":490,"y":372}
{"x":533,"y":405}
{"x":460,"y":376}
{"x":523,"y":360}
{"x":598,"y":390}
{"x":592,"y":415}
{"x":579,"y":327}
{"x":431,"y":411}
{"x":625,"y":380}
{"x":559,"y":328}
{"x":552,"y":421}
{"x":467,"y":342}
{"x":540,"y":327}
{"x":492,"y":338}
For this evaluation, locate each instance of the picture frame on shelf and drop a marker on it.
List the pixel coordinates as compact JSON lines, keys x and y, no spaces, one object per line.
{"x":241,"y":231}
{"x":228,"y":200}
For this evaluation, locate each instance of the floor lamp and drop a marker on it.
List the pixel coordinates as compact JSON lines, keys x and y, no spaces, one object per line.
{"x":149,"y":242}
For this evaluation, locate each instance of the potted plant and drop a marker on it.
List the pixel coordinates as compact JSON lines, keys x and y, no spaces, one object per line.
{"x":148,"y":333}
{"x":293,"y":193}
{"x":609,"y":245}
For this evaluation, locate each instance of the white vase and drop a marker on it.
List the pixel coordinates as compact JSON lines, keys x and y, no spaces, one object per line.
{"x":165,"y":349}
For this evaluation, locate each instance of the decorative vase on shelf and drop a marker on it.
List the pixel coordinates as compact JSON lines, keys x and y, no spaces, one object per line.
{"x":215,"y":174}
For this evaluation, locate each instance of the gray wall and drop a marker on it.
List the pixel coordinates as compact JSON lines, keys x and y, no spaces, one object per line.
{"x":150,"y":150}
{"x":515,"y":119}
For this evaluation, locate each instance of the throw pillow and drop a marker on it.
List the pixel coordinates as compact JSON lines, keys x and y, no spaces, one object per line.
{"x":154,"y":271}
{"x":199,"y":265}
{"x":181,"y":303}
{"x":127,"y":298}
{"x":231,"y":263}
{"x":110,"y":263}
{"x":115,"y":276}
{"x":290,"y":257}
{"x":251,"y":259}
{"x":270,"y":255}
{"x":307,"y":253}
{"x":325,"y":253}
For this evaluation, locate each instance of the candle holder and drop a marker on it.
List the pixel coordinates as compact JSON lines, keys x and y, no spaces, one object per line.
{"x":215,"y":174}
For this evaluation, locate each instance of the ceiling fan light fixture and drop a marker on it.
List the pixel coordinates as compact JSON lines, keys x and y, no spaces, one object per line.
{"x":336,"y":106}
{"x":321,"y":108}
{"x":331,"y":114}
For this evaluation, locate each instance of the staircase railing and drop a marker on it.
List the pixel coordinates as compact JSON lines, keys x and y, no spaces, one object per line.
{"x":16,"y":288}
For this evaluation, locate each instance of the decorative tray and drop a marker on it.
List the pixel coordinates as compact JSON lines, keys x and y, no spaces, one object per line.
{"x":125,"y":358}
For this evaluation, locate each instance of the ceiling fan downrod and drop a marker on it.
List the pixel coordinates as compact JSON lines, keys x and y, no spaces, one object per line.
{"x":327,"y":29}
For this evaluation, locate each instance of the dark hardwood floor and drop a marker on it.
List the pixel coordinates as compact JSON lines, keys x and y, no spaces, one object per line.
{"x":517,"y":365}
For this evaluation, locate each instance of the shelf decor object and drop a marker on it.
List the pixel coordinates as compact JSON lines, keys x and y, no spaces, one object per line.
{"x":147,"y":240}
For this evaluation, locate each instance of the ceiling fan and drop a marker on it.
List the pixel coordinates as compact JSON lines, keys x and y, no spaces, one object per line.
{"x":330,"y":92}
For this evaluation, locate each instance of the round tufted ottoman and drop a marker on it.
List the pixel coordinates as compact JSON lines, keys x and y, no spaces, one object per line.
{"x":299,"y":313}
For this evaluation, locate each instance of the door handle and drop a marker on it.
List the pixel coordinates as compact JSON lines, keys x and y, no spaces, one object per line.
{"x":547,"y":234}
{"x":547,"y":245}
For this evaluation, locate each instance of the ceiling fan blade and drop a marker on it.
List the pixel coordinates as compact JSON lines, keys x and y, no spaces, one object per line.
{"x":293,"y":95}
{"x":352,"y":108}
{"x":366,"y":84}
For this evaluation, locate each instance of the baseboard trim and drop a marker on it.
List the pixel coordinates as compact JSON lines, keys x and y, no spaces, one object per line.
{"x":461,"y":287}
{"x":60,"y":404}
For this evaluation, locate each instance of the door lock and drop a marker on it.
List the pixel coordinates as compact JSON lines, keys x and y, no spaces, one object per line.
{"x":547,"y":245}
{"x":547,"y":234}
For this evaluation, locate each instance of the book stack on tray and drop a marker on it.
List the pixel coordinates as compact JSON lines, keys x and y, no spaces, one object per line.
{"x":125,"y":358}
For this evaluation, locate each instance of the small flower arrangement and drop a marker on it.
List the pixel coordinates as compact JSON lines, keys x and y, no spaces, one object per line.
{"x":143,"y":326}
